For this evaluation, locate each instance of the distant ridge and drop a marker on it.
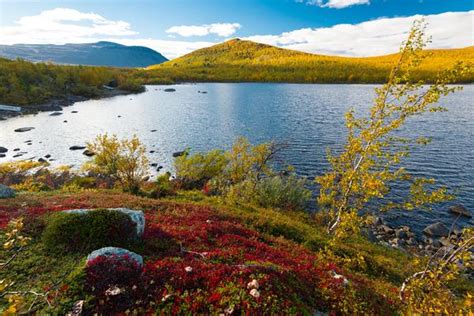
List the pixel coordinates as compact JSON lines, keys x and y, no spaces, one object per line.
{"x":91,"y":54}
{"x":246,"y":61}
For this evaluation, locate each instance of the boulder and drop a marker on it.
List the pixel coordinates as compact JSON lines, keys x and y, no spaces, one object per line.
{"x":47,"y":156}
{"x":460,"y":210}
{"x":2,"y":155}
{"x":56,"y":114}
{"x":115,"y":252}
{"x":74,"y":112}
{"x":400,"y":233}
{"x":88,"y":153}
{"x":169,"y":90}
{"x":75,"y":147}
{"x":24,"y":129}
{"x":179,"y":153}
{"x":3,"y":150}
{"x":6,"y":192}
{"x":113,"y":83}
{"x":42,"y":160}
{"x":436,"y":230}
{"x":136,"y":216}
{"x":386,"y":229}
{"x":16,"y":149}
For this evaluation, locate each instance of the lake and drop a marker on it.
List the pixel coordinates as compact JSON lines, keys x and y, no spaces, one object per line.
{"x":309,"y":118}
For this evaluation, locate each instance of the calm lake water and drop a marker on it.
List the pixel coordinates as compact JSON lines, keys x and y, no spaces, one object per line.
{"x":309,"y":118}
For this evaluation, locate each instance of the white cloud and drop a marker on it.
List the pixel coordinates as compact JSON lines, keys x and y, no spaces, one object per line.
{"x":220,"y":29}
{"x":60,"y":25}
{"x":335,"y":4}
{"x":377,"y":37}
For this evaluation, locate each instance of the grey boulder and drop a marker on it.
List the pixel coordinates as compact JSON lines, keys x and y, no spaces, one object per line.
{"x":115,"y":252}
{"x":436,"y":230}
{"x":6,"y":192}
{"x":460,"y":210}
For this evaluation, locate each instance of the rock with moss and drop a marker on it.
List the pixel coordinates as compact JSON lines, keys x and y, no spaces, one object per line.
{"x":6,"y":192}
{"x":136,"y":216}
{"x":87,"y":230}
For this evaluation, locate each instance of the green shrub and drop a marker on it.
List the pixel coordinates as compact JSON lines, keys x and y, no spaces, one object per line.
{"x":89,"y":231}
{"x":84,"y":182}
{"x":160,"y":188}
{"x":193,"y":171}
{"x":282,"y":192}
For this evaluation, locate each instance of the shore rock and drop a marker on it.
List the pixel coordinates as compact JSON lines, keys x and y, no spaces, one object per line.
{"x":6,"y":192}
{"x":2,"y":155}
{"x":460,"y":210}
{"x":3,"y":150}
{"x":77,"y":147}
{"x":24,"y":129}
{"x":115,"y":252}
{"x":179,"y":153}
{"x":88,"y":153}
{"x":56,"y":114}
{"x":436,"y":230}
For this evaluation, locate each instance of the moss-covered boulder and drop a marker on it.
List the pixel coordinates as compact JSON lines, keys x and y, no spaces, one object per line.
{"x":89,"y":230}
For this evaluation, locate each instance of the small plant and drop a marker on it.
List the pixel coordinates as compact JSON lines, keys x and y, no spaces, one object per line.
{"x":88,"y":231}
{"x":194,"y":171}
{"x":12,"y":245}
{"x":124,"y":160}
{"x":115,"y":283}
{"x":284,"y":192}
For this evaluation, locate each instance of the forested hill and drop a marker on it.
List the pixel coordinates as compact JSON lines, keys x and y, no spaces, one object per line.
{"x":238,"y":60}
{"x":92,"y":54}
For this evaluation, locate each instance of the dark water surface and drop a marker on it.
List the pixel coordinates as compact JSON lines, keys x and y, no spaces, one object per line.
{"x":309,"y":118}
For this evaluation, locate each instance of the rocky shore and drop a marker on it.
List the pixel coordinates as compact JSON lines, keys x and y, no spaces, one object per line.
{"x":56,"y":105}
{"x":434,"y":237}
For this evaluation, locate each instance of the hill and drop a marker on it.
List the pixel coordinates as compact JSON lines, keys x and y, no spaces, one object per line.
{"x":238,"y":60}
{"x":93,"y":54}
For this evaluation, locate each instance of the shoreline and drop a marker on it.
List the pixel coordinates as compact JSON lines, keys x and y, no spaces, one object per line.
{"x":57,"y":104}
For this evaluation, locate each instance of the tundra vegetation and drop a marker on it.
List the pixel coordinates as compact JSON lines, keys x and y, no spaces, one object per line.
{"x":229,"y":235}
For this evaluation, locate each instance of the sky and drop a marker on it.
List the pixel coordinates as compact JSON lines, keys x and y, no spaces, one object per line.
{"x":177,"y":27}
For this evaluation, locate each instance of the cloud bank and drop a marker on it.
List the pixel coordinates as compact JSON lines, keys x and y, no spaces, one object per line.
{"x":219,"y":29}
{"x":377,"y":37}
{"x":61,"y":25}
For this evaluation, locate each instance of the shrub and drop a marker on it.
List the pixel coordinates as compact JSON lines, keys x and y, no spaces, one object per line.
{"x":114,"y":282}
{"x":193,"y":171}
{"x":160,"y":188}
{"x":123,"y":160}
{"x":89,"y":231}
{"x":282,"y":192}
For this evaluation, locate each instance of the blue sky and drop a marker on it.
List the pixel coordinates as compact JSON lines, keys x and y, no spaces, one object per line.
{"x":177,"y":26}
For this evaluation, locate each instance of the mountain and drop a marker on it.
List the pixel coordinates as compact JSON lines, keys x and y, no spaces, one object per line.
{"x":239,"y":60}
{"x":93,"y":54}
